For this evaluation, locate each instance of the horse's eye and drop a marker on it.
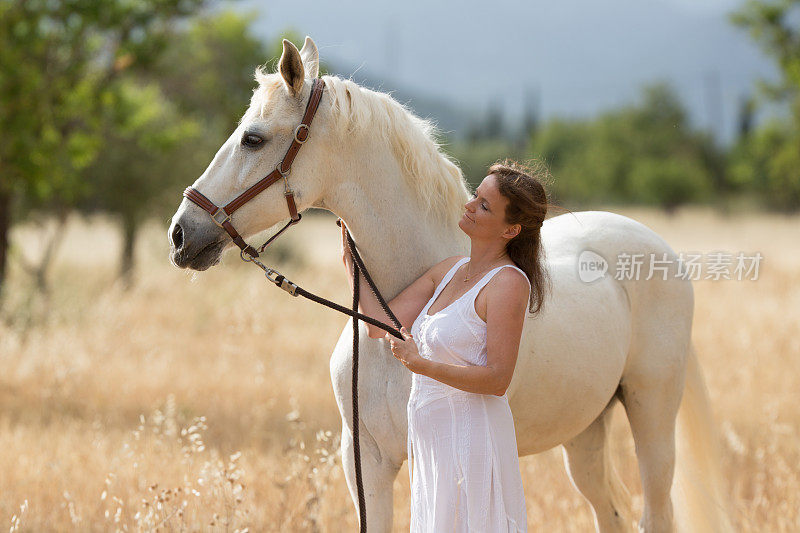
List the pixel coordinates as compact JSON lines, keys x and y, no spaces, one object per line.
{"x":252,"y":140}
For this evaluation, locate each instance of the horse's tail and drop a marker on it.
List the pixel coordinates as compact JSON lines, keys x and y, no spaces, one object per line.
{"x":698,"y":490}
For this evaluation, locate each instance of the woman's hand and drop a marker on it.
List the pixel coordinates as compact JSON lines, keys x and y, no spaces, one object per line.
{"x":406,"y":351}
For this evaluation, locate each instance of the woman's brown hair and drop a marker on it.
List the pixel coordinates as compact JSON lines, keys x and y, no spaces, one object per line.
{"x":524,"y":187}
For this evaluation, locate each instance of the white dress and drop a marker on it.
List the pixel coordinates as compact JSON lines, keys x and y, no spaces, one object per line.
{"x":462,"y":451}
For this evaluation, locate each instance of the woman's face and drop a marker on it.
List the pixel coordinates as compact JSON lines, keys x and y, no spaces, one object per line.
{"x":485,"y":213}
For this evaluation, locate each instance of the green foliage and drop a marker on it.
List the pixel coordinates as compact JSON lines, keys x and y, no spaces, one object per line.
{"x":774,"y":26}
{"x":768,"y":160}
{"x":567,"y":149}
{"x":475,"y":156}
{"x":668,"y":182}
{"x":644,"y":153}
{"x":147,"y":146}
{"x":208,"y":69}
{"x":768,"y":163}
{"x":58,"y":61}
{"x":61,"y":63}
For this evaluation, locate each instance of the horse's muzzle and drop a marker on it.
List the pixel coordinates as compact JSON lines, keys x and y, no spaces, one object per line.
{"x":194,"y":246}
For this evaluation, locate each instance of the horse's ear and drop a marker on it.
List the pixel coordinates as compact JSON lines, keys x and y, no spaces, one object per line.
{"x":310,"y":56}
{"x":291,"y":68}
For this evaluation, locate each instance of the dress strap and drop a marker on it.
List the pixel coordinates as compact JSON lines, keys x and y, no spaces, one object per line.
{"x":489,"y":275}
{"x":447,"y":277}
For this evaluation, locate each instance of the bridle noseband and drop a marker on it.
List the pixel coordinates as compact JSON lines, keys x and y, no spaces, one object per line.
{"x":222,"y":215}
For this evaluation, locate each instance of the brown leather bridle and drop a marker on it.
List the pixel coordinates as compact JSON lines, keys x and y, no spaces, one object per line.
{"x":222,"y":215}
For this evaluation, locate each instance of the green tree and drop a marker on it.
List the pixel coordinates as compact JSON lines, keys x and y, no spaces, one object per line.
{"x":208,"y":71}
{"x":766,"y":163}
{"x":476,"y":155}
{"x":768,"y":160}
{"x":149,"y":149}
{"x":566,"y":147}
{"x":645,"y":153}
{"x":58,"y":61}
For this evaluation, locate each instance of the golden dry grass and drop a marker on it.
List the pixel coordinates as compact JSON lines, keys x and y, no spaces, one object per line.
{"x":204,"y":401}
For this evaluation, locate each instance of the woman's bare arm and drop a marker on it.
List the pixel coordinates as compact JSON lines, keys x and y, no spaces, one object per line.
{"x":506,"y":305}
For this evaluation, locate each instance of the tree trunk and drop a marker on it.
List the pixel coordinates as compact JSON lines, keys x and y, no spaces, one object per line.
{"x":5,"y":229}
{"x":129,"y":227}
{"x":54,"y":240}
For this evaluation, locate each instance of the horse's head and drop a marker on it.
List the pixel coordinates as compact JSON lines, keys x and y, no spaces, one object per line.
{"x":254,"y":149}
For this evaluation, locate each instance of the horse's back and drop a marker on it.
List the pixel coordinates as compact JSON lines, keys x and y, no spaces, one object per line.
{"x":569,"y":234}
{"x":573,"y":354}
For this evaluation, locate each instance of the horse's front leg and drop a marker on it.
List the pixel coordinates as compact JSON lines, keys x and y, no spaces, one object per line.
{"x":383,"y":395}
{"x":378,"y":474}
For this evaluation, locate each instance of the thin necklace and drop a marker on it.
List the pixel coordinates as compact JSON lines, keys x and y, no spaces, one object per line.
{"x":468,"y":275}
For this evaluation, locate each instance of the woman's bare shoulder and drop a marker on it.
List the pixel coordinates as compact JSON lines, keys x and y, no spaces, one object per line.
{"x":508,"y":282}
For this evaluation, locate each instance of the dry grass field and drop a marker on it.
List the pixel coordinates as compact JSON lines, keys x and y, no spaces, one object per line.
{"x":203,"y":401}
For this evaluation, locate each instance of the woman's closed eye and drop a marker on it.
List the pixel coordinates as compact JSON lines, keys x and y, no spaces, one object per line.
{"x":475,"y":195}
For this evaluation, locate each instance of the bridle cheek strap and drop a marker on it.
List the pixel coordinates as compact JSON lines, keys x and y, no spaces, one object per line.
{"x":222,"y":215}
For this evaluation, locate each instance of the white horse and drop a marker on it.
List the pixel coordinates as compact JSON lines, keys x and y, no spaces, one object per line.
{"x":374,"y":164}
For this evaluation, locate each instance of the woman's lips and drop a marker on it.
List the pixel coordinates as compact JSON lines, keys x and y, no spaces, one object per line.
{"x":467,"y":216}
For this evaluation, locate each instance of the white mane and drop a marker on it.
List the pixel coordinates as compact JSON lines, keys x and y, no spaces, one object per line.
{"x":357,"y":111}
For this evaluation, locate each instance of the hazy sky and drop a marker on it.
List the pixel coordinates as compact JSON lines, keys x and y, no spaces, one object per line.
{"x":572,"y":57}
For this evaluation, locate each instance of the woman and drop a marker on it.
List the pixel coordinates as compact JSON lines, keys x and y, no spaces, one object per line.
{"x":466,"y":316}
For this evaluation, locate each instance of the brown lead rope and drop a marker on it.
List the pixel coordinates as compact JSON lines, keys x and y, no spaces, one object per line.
{"x":362,"y":502}
{"x":358,"y":267}
{"x":295,"y":290}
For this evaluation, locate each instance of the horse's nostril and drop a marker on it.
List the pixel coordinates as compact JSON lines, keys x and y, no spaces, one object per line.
{"x":177,"y":236}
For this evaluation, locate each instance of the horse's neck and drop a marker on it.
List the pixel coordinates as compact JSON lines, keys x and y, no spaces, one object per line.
{"x":397,"y":240}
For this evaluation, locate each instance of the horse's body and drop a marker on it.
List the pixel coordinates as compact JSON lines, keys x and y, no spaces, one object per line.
{"x":373,"y":164}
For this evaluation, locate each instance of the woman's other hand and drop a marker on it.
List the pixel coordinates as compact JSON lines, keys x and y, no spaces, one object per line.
{"x":406,"y":351}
